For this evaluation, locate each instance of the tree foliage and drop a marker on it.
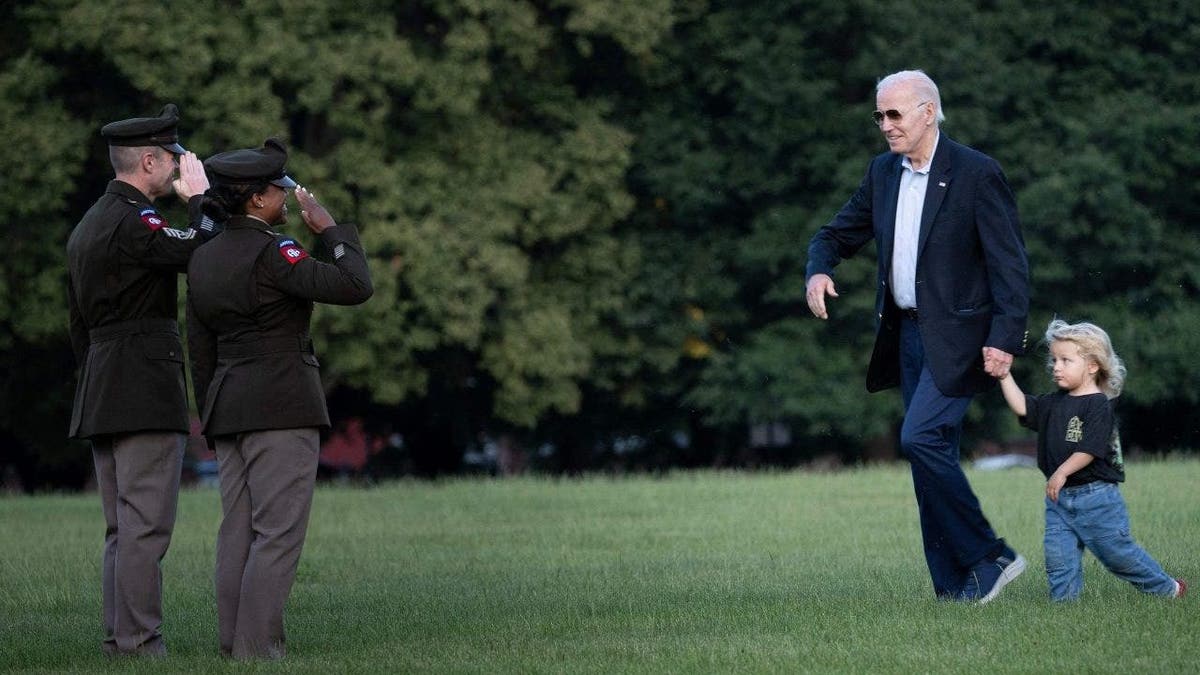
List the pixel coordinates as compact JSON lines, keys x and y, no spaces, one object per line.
{"x":755,"y":145}
{"x":587,"y":219}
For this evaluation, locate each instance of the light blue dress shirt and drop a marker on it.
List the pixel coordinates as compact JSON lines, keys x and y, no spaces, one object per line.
{"x":909,"y":205}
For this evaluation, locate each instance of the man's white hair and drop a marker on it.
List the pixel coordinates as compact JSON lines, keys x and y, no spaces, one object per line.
{"x":925,"y":87}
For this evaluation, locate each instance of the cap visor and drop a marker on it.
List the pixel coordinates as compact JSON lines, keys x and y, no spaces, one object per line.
{"x":285,"y":182}
{"x":175,"y":148}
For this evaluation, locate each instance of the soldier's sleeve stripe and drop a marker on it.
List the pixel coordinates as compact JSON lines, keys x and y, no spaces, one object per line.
{"x":339,"y":251}
{"x":179,"y":234}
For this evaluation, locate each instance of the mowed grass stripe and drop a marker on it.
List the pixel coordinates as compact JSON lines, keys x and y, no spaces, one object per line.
{"x":691,"y":572}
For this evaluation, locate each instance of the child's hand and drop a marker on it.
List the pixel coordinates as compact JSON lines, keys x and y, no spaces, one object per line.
{"x":996,"y":362}
{"x":1055,"y":484}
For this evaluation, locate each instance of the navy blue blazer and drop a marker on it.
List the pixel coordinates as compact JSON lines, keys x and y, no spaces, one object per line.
{"x":972,"y":277}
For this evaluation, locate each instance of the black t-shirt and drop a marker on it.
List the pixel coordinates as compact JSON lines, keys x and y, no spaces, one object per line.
{"x":1068,"y":424}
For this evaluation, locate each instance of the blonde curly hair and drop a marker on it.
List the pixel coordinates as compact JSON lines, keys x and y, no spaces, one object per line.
{"x":1095,"y":346}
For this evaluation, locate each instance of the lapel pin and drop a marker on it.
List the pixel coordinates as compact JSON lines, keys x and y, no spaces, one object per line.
{"x":941,"y":184}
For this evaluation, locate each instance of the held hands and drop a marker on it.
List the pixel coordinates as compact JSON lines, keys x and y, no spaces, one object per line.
{"x":315,"y":216}
{"x":192,"y":180}
{"x":818,"y":286}
{"x":996,"y":362}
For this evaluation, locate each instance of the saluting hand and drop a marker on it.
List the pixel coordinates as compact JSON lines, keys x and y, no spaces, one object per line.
{"x":192,"y":180}
{"x":315,"y":216}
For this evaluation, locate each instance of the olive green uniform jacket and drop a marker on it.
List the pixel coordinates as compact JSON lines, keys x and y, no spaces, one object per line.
{"x":250,"y":298}
{"x":123,"y":260}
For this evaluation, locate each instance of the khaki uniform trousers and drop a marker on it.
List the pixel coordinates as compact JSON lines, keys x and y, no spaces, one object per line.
{"x":137,"y":476}
{"x":267,"y":480}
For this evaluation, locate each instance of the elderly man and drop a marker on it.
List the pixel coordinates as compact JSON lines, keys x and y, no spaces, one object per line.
{"x":951,"y":304}
{"x":123,"y":260}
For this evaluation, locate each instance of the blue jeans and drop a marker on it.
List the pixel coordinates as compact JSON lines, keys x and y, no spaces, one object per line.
{"x":1094,"y":516}
{"x":955,"y":534}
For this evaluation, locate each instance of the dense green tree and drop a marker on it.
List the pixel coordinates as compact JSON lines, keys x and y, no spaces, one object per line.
{"x":486,"y":181}
{"x":743,"y":152}
{"x":726,"y":142}
{"x":36,"y":382}
{"x":588,"y":218}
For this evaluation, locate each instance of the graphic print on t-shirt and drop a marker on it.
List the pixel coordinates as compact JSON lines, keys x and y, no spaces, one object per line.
{"x":1115,"y":456}
{"x":1075,"y":430}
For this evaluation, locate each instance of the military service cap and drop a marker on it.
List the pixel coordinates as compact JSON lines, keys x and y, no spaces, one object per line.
{"x":143,"y":131}
{"x":252,"y":165}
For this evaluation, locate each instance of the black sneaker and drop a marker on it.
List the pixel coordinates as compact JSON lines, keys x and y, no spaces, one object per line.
{"x":988,"y":578}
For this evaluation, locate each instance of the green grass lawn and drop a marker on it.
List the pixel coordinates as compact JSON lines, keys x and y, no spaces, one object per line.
{"x":696,"y":572}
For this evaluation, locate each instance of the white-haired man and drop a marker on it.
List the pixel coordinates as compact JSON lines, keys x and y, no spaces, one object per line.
{"x":951,"y":304}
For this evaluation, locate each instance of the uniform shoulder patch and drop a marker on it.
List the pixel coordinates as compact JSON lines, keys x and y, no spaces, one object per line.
{"x":152,"y":219}
{"x":291,"y":251}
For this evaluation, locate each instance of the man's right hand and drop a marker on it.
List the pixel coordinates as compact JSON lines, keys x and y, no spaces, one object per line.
{"x":192,"y":180}
{"x":819,"y":285}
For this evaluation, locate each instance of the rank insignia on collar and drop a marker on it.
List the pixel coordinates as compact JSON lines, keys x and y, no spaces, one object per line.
{"x":291,"y":251}
{"x":152,"y":220}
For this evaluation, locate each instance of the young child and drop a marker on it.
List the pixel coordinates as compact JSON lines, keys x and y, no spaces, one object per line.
{"x":1079,"y":451}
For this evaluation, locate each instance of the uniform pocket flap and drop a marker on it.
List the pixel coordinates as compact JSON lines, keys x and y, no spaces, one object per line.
{"x":162,"y":349}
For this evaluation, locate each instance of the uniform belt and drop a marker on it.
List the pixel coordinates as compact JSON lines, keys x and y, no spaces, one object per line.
{"x":271,"y":345}
{"x":909,"y":312}
{"x":134,"y":327}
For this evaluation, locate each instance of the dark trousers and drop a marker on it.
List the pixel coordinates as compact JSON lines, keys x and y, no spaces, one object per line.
{"x":267,"y":480}
{"x":954,"y":531}
{"x":137,"y":476}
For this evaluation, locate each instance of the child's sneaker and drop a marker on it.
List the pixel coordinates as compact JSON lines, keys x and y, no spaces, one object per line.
{"x":1180,"y":588}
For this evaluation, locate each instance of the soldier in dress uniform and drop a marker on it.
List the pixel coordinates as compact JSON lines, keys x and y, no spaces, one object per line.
{"x":123,"y":261}
{"x":250,"y":297}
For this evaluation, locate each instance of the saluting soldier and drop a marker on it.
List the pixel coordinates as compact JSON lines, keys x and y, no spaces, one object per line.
{"x":250,"y":297}
{"x":131,"y":402}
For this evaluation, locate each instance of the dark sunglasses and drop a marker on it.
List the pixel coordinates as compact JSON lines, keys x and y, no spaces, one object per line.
{"x":893,"y":114}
